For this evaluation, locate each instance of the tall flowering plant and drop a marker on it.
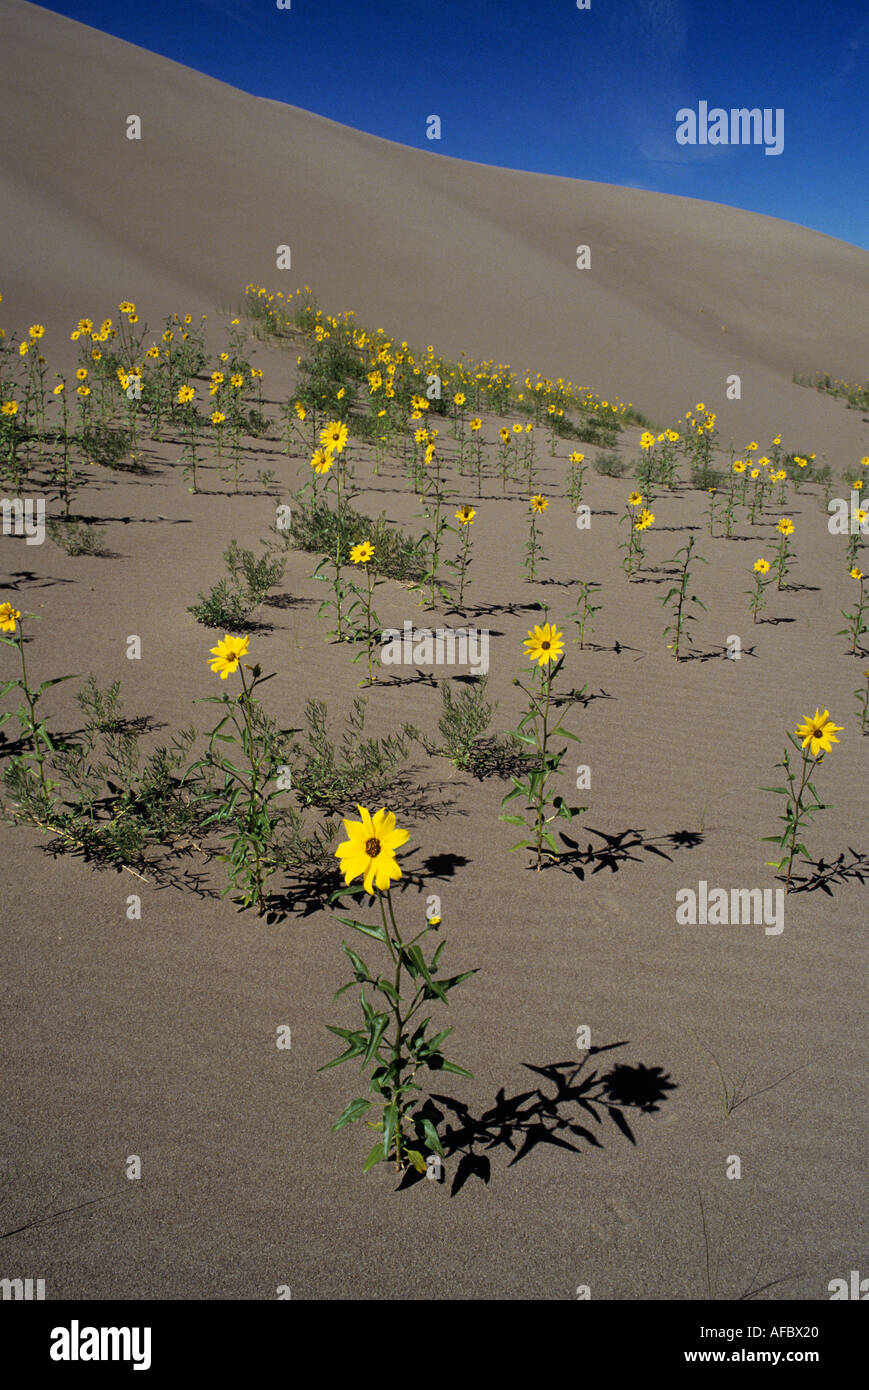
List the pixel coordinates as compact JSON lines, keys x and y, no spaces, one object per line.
{"x":391,"y":1042}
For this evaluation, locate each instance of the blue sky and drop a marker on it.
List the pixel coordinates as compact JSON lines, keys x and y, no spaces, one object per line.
{"x":541,"y":85}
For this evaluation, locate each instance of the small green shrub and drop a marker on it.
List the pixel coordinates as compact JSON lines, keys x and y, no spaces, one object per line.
{"x":315,"y":528}
{"x":76,"y":538}
{"x":106,"y":445}
{"x":704,"y":476}
{"x":333,"y":776}
{"x":464,"y":721}
{"x":610,"y":464}
{"x":231,"y":602}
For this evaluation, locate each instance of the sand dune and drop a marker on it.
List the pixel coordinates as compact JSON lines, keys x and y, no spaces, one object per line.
{"x":680,"y":293}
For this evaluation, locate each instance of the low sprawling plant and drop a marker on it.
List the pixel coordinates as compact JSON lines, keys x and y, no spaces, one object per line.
{"x":464,"y":722}
{"x":610,"y":464}
{"x":333,"y":776}
{"x":98,"y":794}
{"x":232,"y":601}
{"x":314,"y":528}
{"x":75,"y":537}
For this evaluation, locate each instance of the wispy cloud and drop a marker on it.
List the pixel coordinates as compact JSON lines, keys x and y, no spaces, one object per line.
{"x":856,"y":45}
{"x":658,"y":27}
{"x":242,"y":11}
{"x":660,"y":147}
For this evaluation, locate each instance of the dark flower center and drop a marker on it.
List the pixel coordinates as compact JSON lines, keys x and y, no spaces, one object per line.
{"x":372,"y":847}
{"x":544,"y":646}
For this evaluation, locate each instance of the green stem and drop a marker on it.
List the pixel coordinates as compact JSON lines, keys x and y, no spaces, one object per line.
{"x":399,"y":1022}
{"x":796,"y":821}
{"x":255,"y":795}
{"x":31,"y":705}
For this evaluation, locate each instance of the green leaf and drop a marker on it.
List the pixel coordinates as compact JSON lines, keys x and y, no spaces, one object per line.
{"x":354,"y":1111}
{"x":434,"y":1043}
{"x":517,"y":791}
{"x":432,"y":1138}
{"x":366,"y":1007}
{"x":376,"y":1155}
{"x":353,"y":1051}
{"x":55,"y":680}
{"x":390,"y":1120}
{"x":417,"y":1038}
{"x":362,"y":971}
{"x":454,"y":1067}
{"x":416,"y":1159}
{"x":376,"y":932}
{"x":418,"y":959}
{"x":513,"y":820}
{"x":377,"y":1028}
{"x":388,"y":989}
{"x":348,"y":1034}
{"x":457,"y":980}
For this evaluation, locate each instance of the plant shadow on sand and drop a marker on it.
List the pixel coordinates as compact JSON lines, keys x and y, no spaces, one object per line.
{"x":164,"y":871}
{"x":619,"y":849}
{"x":714,"y":654}
{"x":311,"y":888}
{"x":547,"y":1116}
{"x":824,"y":876}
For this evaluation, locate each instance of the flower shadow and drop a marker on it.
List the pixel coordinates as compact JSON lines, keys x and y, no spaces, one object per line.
{"x":620,"y":848}
{"x":825,"y":876}
{"x":557,"y":1112}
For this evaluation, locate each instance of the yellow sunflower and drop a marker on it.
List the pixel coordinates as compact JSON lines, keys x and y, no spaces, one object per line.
{"x":819,"y":732}
{"x":369,"y":850}
{"x":334,"y":436}
{"x":322,"y":461}
{"x":544,"y":644}
{"x":539,"y":503}
{"x":8,"y":617}
{"x":360,"y":554}
{"x":466,"y":515}
{"x":227,"y":654}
